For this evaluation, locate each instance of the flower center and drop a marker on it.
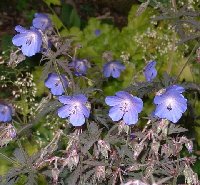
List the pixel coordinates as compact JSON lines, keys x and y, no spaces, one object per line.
{"x":57,"y":83}
{"x":169,"y":103}
{"x":125,"y":106}
{"x":30,"y":39}
{"x":75,"y":107}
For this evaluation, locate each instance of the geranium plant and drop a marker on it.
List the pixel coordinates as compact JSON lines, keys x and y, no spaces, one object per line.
{"x":98,"y":138}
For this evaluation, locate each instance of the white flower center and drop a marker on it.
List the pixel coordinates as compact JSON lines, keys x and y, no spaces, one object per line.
{"x":169,"y":102}
{"x":125,"y":106}
{"x":31,"y":38}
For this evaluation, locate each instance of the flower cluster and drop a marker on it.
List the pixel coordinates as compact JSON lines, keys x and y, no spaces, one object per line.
{"x":157,"y":145}
{"x":31,"y":40}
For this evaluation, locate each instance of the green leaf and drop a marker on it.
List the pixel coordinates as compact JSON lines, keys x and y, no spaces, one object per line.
{"x":6,"y":42}
{"x":65,"y":14}
{"x":37,"y":73}
{"x":75,"y":19}
{"x":56,"y":21}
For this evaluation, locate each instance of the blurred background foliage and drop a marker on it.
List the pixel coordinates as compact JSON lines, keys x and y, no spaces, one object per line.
{"x":97,"y":27}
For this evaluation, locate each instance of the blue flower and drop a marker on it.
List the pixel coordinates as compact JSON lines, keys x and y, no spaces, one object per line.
{"x":80,"y":66}
{"x":41,"y":21}
{"x":97,"y":32}
{"x":74,"y":108}
{"x":55,"y":83}
{"x":29,"y":40}
{"x":113,"y":68}
{"x":171,"y":104}
{"x":149,"y":71}
{"x":5,"y":113}
{"x":124,"y":105}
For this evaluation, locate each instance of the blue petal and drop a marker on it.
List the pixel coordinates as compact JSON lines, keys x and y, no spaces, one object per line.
{"x":20,"y":29}
{"x":66,"y":100}
{"x":170,"y":94}
{"x":172,"y":115}
{"x":51,"y":80}
{"x":80,"y":66}
{"x":32,"y":48}
{"x":84,"y":110}
{"x":150,"y":75}
{"x":130,"y":117}
{"x":41,"y":21}
{"x":57,"y":90}
{"x":149,"y":71}
{"x":106,"y":71}
{"x":19,"y":39}
{"x":115,"y":113}
{"x":81,"y":98}
{"x":77,"y":119}
{"x":115,"y":73}
{"x":182,"y":106}
{"x":137,"y":104}
{"x":124,"y":95}
{"x":177,"y":88}
{"x":150,"y":65}
{"x":113,"y":100}
{"x":5,"y":113}
{"x":64,"y":81}
{"x":97,"y":32}
{"x":158,"y":99}
{"x":119,"y":65}
{"x":64,"y":111}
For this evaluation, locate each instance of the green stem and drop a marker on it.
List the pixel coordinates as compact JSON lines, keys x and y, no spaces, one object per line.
{"x":187,"y":61}
{"x":171,"y":60}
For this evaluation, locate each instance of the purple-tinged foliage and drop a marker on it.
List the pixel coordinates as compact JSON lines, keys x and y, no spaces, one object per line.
{"x":74,"y":108}
{"x":55,"y":83}
{"x":5,"y":113}
{"x":113,"y":68}
{"x":149,"y":71}
{"x":171,"y":104}
{"x":41,"y":21}
{"x":29,"y":40}
{"x":80,"y":66}
{"x":125,"y":106}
